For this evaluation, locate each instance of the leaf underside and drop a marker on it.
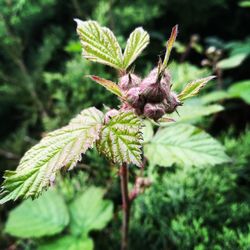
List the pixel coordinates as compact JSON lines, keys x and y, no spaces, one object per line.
{"x":170,"y":45}
{"x":109,"y":85}
{"x":121,"y":139}
{"x":99,"y":44}
{"x":60,"y":148}
{"x":185,"y":145}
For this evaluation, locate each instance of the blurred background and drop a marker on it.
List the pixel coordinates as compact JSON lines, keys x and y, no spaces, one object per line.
{"x":42,"y":86}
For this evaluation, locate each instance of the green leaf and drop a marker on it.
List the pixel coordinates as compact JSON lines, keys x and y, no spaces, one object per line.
{"x":44,"y":216}
{"x":60,"y":148}
{"x":99,"y":44}
{"x":214,"y":96}
{"x":241,"y":90}
{"x":244,"y":4}
{"x":147,"y":131}
{"x":185,"y":72}
{"x":193,"y":88}
{"x":121,"y":139}
{"x":109,"y":85}
{"x":68,"y":242}
{"x":170,"y":44}
{"x":185,"y":145}
{"x":232,"y":62}
{"x":190,"y":112}
{"x":137,"y":42}
{"x":89,"y":211}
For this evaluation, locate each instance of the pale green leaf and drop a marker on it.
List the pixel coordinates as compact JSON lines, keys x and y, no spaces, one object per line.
{"x":90,"y":212}
{"x":193,"y":88}
{"x":232,"y":62}
{"x":214,"y":96}
{"x":47,"y":215}
{"x":99,"y":44}
{"x":60,"y":148}
{"x":193,"y":111}
{"x":68,"y":242}
{"x":147,"y":131}
{"x":121,"y":139}
{"x":244,"y":4}
{"x":109,"y":85}
{"x":185,"y":145}
{"x":137,"y":42}
{"x":241,"y":90}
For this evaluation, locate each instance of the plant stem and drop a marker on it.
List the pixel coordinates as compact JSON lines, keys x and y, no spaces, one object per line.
{"x":125,"y":206}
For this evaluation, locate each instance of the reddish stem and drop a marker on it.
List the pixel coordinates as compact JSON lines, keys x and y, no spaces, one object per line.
{"x":125,"y":205}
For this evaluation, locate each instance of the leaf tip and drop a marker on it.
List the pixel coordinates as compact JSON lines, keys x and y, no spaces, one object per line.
{"x":78,"y":21}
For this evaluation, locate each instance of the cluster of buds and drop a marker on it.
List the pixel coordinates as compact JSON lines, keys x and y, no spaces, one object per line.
{"x":151,"y":97}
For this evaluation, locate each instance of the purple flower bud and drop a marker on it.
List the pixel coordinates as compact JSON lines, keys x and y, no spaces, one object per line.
{"x":171,"y":103}
{"x":110,"y":114}
{"x":129,"y":81}
{"x":154,"y":110}
{"x":154,"y":89}
{"x":134,"y":98}
{"x":128,"y":107}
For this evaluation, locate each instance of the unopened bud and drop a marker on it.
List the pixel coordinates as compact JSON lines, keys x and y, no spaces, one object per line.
{"x":129,"y":81}
{"x":195,"y":38}
{"x":128,"y":107}
{"x":154,"y":110}
{"x":133,"y":96}
{"x":171,"y":103}
{"x":154,"y":89}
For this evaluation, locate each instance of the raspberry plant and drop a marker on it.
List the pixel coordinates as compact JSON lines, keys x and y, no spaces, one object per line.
{"x":116,"y":134}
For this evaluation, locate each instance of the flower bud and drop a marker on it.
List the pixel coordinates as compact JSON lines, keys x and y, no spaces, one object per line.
{"x":129,"y":81}
{"x":128,"y":107}
{"x":154,"y":110}
{"x":154,"y":89}
{"x":133,"y":96}
{"x":110,"y":114}
{"x":171,"y":103}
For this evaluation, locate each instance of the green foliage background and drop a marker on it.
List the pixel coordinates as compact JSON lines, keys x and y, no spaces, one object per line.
{"x":42,"y":86}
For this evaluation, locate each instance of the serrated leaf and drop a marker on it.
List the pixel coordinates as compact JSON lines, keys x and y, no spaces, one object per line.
{"x":68,"y":242}
{"x":48,"y":215}
{"x":137,"y":42}
{"x":190,"y":112}
{"x":60,"y":148}
{"x":185,"y":145}
{"x":193,"y":88}
{"x":121,"y":139}
{"x":184,"y":73}
{"x":170,"y":44}
{"x":99,"y":44}
{"x":109,"y":85}
{"x":90,"y":212}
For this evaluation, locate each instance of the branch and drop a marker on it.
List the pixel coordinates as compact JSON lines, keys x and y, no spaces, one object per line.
{"x":125,"y":205}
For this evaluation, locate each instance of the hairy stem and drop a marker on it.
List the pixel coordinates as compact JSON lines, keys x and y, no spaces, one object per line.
{"x":125,"y":206}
